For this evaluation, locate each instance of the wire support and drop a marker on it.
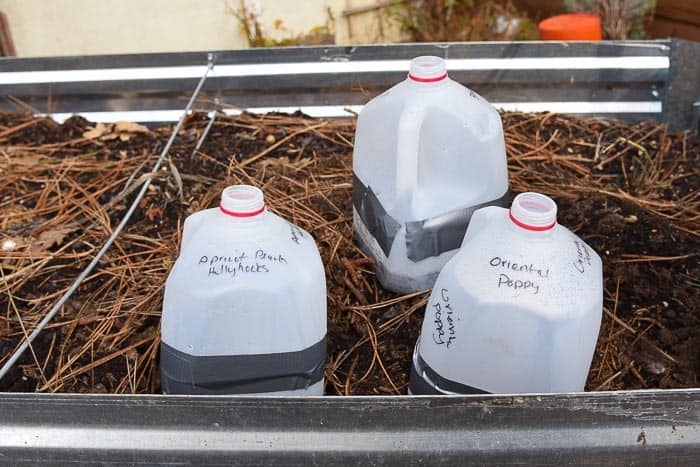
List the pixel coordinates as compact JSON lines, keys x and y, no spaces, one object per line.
{"x":115,"y":234}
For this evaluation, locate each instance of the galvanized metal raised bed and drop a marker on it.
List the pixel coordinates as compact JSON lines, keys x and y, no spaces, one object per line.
{"x":628,"y":80}
{"x":657,"y":80}
{"x":624,"y":428}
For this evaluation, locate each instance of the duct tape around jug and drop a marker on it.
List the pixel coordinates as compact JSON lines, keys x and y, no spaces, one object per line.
{"x":425,"y":238}
{"x":182,"y":373}
{"x":426,"y":381}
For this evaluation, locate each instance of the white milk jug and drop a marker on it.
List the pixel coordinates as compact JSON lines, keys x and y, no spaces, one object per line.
{"x":516,"y":310}
{"x":245,"y":304}
{"x":428,"y":152}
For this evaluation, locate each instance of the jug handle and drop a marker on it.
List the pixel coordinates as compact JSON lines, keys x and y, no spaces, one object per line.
{"x":192,"y":224}
{"x":407,"y":150}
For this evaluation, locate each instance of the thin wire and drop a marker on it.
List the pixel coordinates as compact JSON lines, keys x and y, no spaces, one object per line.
{"x":212,"y":117}
{"x":61,"y":301}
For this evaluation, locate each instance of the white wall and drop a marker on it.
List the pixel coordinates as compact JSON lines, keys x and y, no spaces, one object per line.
{"x":77,"y":27}
{"x":84,"y":27}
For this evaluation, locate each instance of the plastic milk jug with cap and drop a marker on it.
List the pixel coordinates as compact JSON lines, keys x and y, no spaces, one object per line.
{"x":245,"y":304}
{"x":428,"y":152}
{"x":516,"y":310}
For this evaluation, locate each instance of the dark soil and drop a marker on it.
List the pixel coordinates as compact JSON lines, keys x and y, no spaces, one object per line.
{"x":630,"y":191}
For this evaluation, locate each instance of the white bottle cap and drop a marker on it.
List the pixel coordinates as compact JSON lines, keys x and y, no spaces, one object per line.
{"x":242,"y":201}
{"x":534,"y":211}
{"x":427,"y":69}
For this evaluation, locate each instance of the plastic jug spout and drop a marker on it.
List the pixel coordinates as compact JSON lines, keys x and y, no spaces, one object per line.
{"x":242,"y":201}
{"x":427,"y":69}
{"x":534,"y":212}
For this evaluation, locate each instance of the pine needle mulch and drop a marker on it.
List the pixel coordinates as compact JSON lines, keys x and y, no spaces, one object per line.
{"x":630,"y":191}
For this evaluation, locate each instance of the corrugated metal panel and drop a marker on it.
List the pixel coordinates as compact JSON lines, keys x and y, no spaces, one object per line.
{"x":603,"y":76}
{"x":642,"y":427}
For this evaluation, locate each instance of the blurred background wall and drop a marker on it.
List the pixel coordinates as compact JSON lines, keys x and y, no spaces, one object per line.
{"x":79,"y":27}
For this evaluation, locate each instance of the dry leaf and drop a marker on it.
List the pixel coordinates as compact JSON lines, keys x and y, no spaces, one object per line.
{"x":121,"y":130}
{"x":129,"y":127}
{"x":154,"y":212}
{"x":109,"y":136}
{"x":99,"y":130}
{"x":49,"y":238}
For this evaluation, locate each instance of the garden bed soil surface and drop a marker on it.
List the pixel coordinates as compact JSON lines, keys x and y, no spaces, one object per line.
{"x":630,"y":191}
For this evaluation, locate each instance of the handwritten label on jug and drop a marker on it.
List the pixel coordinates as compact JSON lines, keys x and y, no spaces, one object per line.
{"x":296,"y":233}
{"x":242,"y":262}
{"x":583,"y":257}
{"x":530,"y":283}
{"x":444,"y":320}
{"x":516,"y":284}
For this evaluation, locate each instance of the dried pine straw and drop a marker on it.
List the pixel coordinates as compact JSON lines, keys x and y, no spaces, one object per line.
{"x":631,"y":191}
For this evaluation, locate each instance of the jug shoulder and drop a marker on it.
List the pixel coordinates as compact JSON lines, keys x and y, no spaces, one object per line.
{"x":212,"y":223}
{"x":480,"y":221}
{"x":557,"y":277}
{"x":382,"y":110}
{"x":192,"y":224}
{"x":220,"y":238}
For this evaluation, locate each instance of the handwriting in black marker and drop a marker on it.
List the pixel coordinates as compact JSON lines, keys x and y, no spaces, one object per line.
{"x":263,"y":255}
{"x":296,"y":232}
{"x":583,"y":257}
{"x":233,"y":265}
{"x":443,"y":336}
{"x":438,"y":325}
{"x":530,"y":268}
{"x":516,"y":284}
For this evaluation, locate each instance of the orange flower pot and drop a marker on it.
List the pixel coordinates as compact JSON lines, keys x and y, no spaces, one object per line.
{"x":571,"y":27}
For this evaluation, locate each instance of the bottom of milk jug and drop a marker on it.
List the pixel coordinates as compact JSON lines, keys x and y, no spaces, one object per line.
{"x":403,"y":284}
{"x":315,"y":389}
{"x":424,"y":381}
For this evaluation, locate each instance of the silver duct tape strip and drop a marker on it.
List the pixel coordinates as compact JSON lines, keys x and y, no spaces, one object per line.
{"x":426,"y":238}
{"x":182,"y":373}
{"x":434,"y":236}
{"x":379,"y":223}
{"x":426,"y":381}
